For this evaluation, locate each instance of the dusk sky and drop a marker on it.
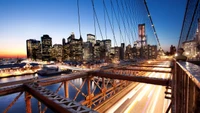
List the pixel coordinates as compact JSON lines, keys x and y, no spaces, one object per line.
{"x":30,"y":19}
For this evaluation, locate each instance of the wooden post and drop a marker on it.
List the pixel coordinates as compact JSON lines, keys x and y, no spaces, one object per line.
{"x":103,"y":88}
{"x":184,"y":92}
{"x":115,"y":86}
{"x":187,"y":93}
{"x":89,"y":92}
{"x":176,"y":87}
{"x":28,"y":102}
{"x":191,"y":97}
{"x":66,"y":89}
{"x":39,"y":107}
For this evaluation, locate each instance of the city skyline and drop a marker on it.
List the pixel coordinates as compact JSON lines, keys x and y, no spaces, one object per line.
{"x":23,"y":20}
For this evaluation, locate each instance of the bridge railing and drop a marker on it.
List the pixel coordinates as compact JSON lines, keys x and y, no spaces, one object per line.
{"x":185,"y":88}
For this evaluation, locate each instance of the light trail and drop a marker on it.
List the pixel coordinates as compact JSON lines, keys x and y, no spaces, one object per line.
{"x":144,"y":98}
{"x":154,"y":104}
{"x":128,"y":96}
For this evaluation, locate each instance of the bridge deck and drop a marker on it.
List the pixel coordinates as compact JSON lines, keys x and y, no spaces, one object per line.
{"x":102,"y":108}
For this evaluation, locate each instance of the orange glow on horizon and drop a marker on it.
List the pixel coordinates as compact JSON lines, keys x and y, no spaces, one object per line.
{"x":12,"y":54}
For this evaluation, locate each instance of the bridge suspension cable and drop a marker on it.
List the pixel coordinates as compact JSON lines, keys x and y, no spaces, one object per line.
{"x":95,"y":15}
{"x":122,"y":18}
{"x":118,"y":21}
{"x":153,"y":27}
{"x":79,"y":18}
{"x":113,"y":32}
{"x":190,"y":21}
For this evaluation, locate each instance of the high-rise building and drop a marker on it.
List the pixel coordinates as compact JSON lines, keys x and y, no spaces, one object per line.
{"x":142,"y":39}
{"x":122,"y":51}
{"x":66,"y":52}
{"x":112,"y":53}
{"x":75,"y":48}
{"x":142,"y":35}
{"x":87,"y":51}
{"x":91,"y":38}
{"x":117,"y":53}
{"x":149,"y":52}
{"x":46,"y":45}
{"x":128,"y":52}
{"x":56,"y":52}
{"x":136,"y":52}
{"x":152,"y":51}
{"x":107,"y":43}
{"x":33,"y":49}
{"x":97,"y":52}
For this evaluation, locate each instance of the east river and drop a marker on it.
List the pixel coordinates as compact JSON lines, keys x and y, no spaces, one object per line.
{"x":19,"y":106}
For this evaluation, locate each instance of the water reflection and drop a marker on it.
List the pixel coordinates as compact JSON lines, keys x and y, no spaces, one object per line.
{"x":16,"y":78}
{"x":77,"y":82}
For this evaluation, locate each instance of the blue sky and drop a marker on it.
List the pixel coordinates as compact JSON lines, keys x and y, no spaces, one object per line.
{"x":30,"y":19}
{"x":167,"y":17}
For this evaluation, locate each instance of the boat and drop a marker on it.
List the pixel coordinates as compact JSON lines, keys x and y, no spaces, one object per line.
{"x":47,"y":71}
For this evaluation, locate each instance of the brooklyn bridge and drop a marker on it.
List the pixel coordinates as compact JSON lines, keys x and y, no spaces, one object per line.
{"x":160,"y":85}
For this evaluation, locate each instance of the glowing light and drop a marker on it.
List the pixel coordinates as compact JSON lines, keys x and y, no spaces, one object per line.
{"x":187,"y":53}
{"x":148,"y":62}
{"x":176,"y":55}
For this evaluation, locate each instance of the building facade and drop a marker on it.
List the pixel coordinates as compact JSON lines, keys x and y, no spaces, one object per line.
{"x":136,"y":52}
{"x":87,"y":51}
{"x":152,"y":51}
{"x":128,"y":52}
{"x":56,"y":52}
{"x":97,"y":52}
{"x":73,"y":48}
{"x":33,"y":49}
{"x":117,"y":53}
{"x":107,"y":46}
{"x":122,"y":51}
{"x":66,"y":50}
{"x":91,"y":38}
{"x":46,"y":45}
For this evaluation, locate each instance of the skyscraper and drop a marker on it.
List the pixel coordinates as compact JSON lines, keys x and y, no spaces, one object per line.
{"x":91,"y":38}
{"x":87,"y":51}
{"x":128,"y":52}
{"x":73,"y":48}
{"x":46,"y":45}
{"x":107,"y":43}
{"x":152,"y":51}
{"x":122,"y":51}
{"x":56,"y":52}
{"x":33,"y":49}
{"x":142,"y":35}
{"x":97,"y":51}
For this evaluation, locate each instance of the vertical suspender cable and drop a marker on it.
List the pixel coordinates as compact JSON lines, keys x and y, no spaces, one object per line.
{"x":118,"y":22}
{"x":95,"y":14}
{"x":79,"y":19}
{"x":110,"y":22}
